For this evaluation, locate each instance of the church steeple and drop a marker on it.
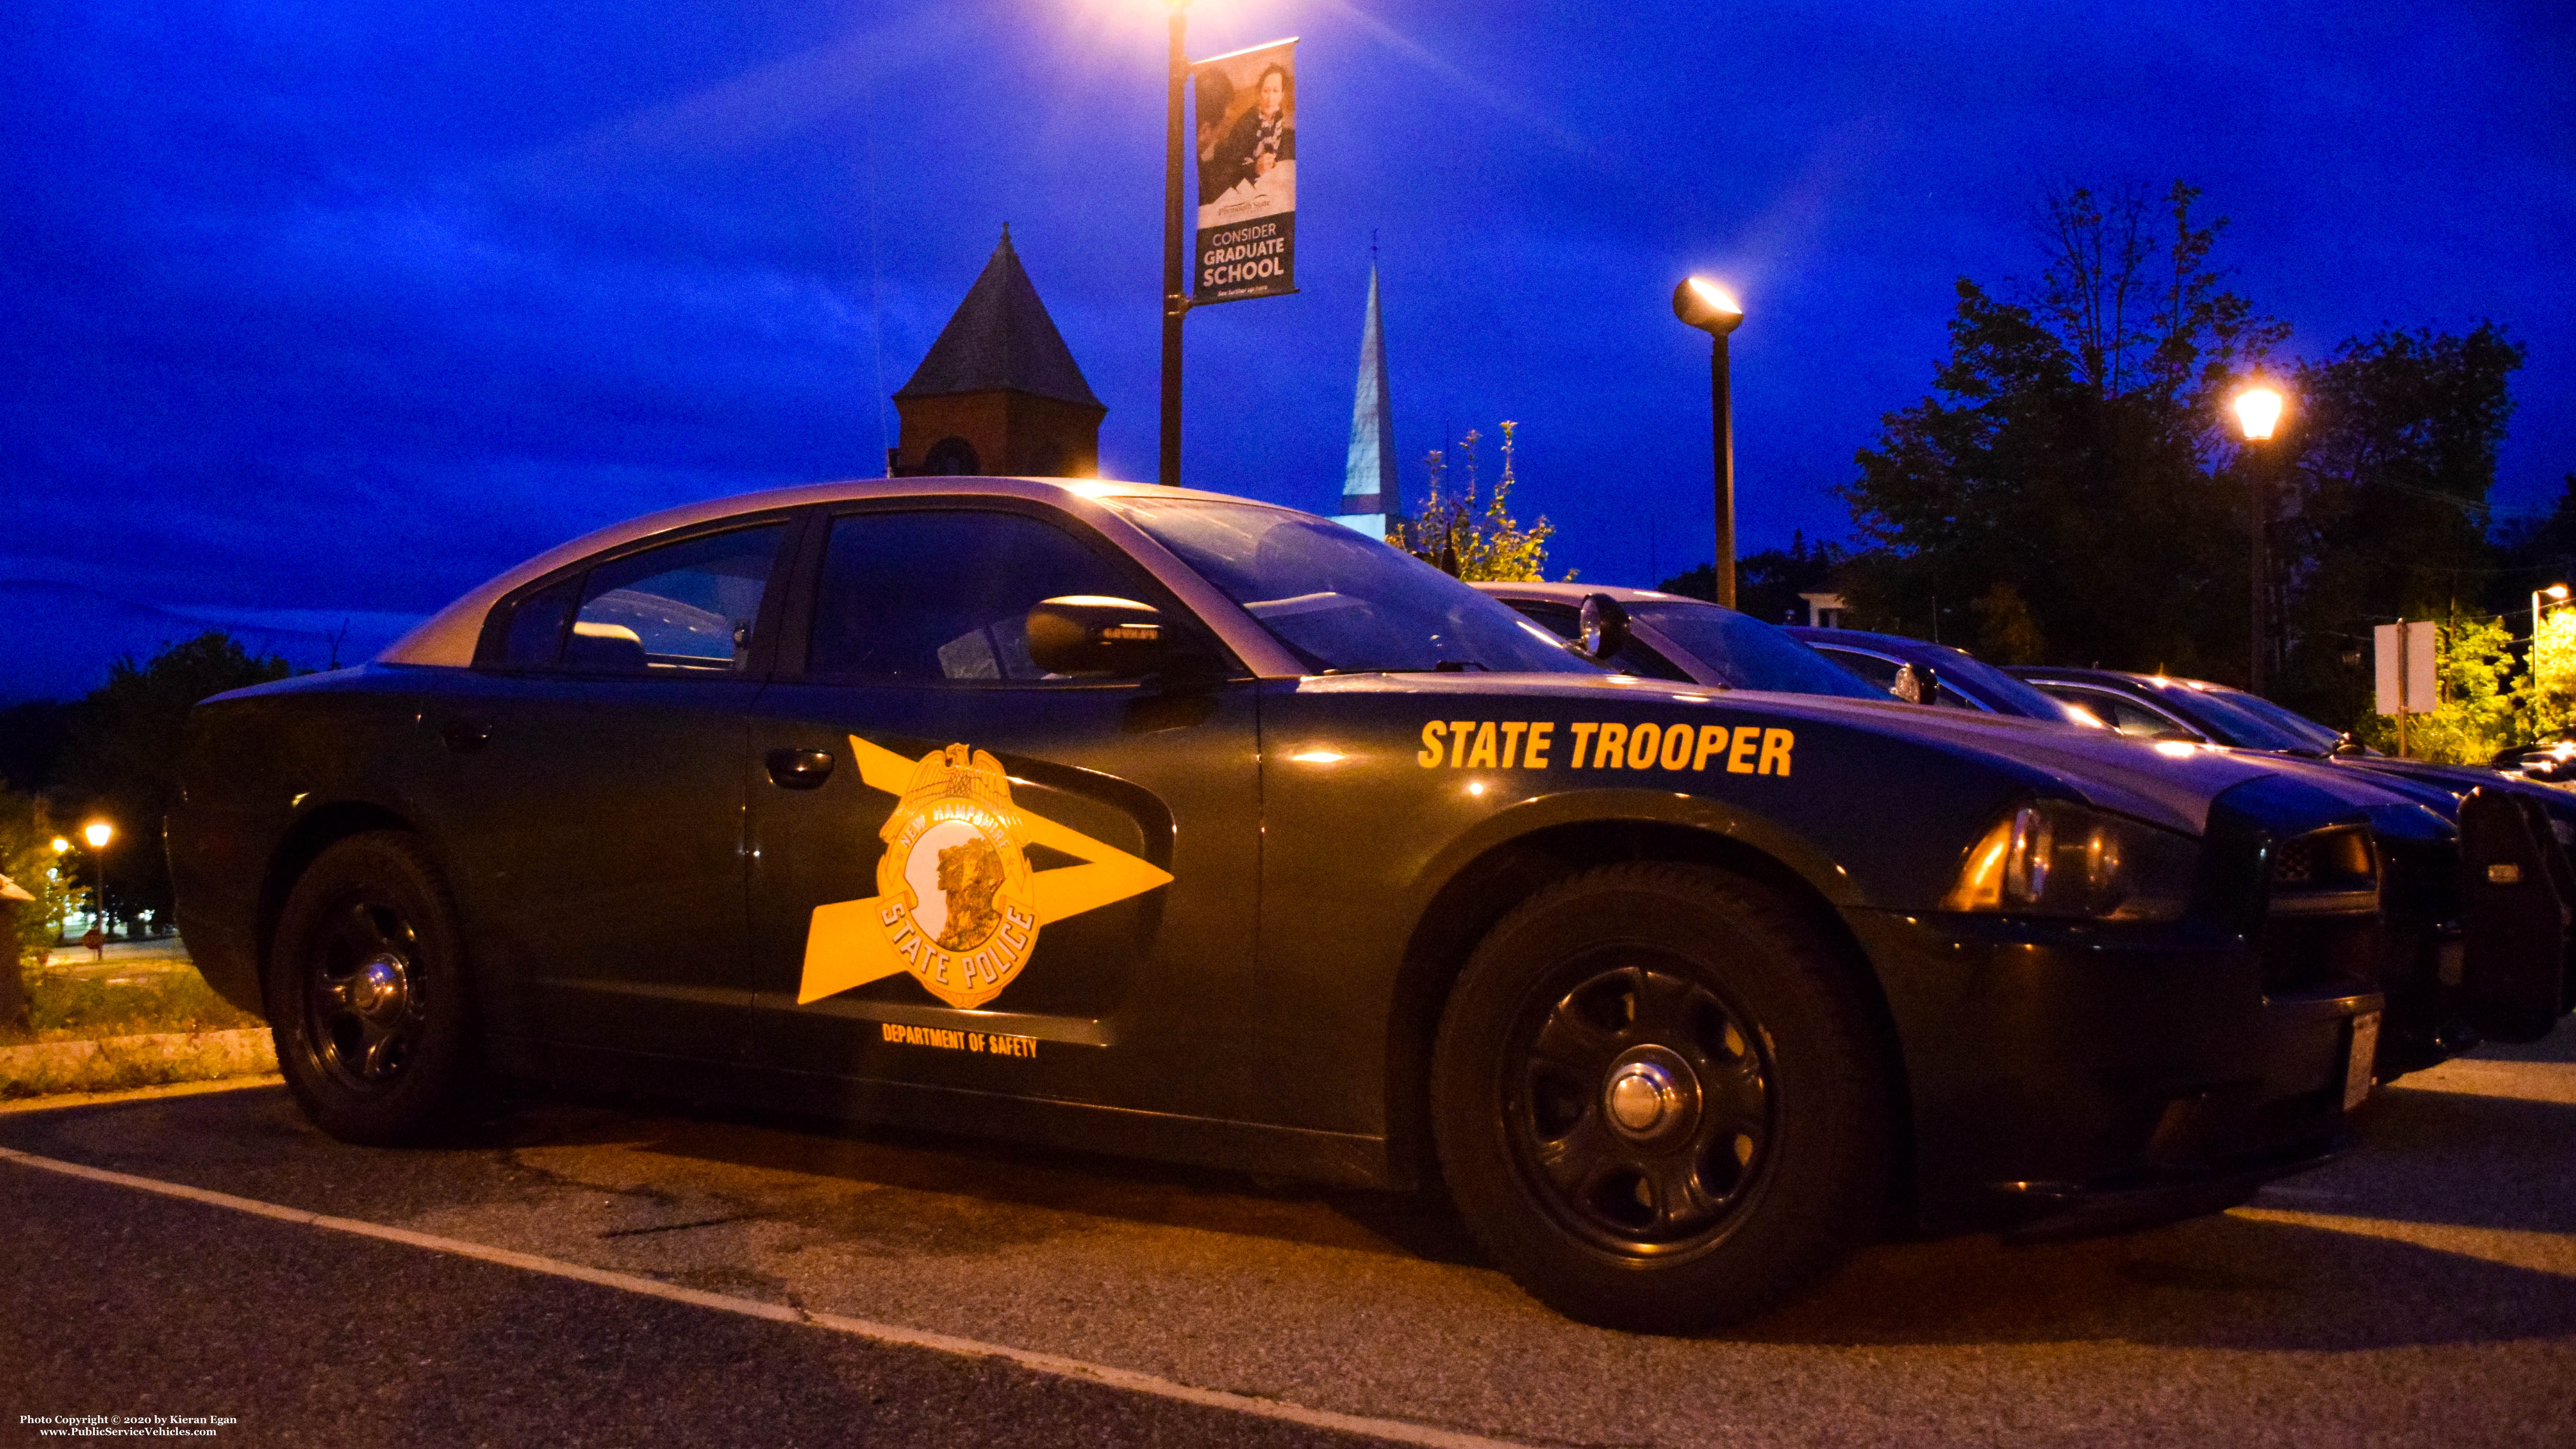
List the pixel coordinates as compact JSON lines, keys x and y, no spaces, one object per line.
{"x":999,"y":391}
{"x":1368,"y":471}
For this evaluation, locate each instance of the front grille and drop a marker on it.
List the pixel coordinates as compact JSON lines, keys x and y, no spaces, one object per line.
{"x":2321,"y":934}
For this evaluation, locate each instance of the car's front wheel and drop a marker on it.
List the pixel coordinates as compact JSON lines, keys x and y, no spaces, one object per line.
{"x":1658,"y":1099}
{"x":366,"y":993}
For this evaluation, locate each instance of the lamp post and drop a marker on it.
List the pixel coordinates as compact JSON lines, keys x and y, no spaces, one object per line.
{"x":2258,"y":412}
{"x":98,"y":833}
{"x":2555,"y":593}
{"x":1713,"y":310}
{"x":1175,"y":251}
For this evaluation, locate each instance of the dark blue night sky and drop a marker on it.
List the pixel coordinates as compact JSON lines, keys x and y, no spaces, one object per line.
{"x":341,"y":308}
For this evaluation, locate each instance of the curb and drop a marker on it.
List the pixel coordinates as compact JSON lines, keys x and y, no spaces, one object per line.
{"x":117,"y":1062}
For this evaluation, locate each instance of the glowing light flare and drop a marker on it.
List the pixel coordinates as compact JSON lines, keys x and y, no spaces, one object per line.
{"x":2554,"y":591}
{"x":1707,"y":306}
{"x":61,"y":845}
{"x":2258,"y":411}
{"x":1475,"y":787}
{"x":98,"y":833}
{"x":2176,"y":749}
{"x":1319,"y":757}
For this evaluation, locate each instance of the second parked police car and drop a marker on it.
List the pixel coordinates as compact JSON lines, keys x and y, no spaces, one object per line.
{"x":1174,"y":824}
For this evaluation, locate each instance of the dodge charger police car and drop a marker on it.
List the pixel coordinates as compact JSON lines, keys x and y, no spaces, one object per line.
{"x":1179,"y":825}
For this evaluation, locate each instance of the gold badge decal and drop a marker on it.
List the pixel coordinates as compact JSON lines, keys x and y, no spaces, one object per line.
{"x":956,"y":903}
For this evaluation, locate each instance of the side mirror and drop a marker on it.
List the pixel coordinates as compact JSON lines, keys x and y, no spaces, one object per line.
{"x":1917,"y":684}
{"x":1605,"y":628}
{"x":1094,"y":634}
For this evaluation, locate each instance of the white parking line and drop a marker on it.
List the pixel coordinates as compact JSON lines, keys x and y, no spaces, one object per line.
{"x":1045,"y":1363}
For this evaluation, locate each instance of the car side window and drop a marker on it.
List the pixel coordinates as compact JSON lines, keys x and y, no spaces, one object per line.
{"x":683,"y":608}
{"x":534,"y":639}
{"x":1565,"y":621}
{"x":1881,"y":672}
{"x":943,"y":595}
{"x":2128,"y":716}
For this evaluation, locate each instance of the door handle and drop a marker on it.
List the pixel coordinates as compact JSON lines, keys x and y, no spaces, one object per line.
{"x":799,"y":769}
{"x":463,"y":736}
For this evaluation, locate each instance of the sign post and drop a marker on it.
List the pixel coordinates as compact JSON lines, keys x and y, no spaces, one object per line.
{"x":2407,"y":680}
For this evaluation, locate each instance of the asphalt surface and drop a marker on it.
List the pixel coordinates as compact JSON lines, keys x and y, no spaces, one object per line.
{"x":2422,"y":1291}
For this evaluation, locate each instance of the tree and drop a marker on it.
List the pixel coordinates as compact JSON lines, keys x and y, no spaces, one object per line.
{"x":1450,"y":532}
{"x":2059,"y":481}
{"x":28,"y":858}
{"x":1767,"y":584}
{"x":122,"y":758}
{"x":2385,"y":514}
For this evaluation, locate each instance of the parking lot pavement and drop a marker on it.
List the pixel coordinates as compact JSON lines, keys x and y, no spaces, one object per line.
{"x":2421,"y":1291}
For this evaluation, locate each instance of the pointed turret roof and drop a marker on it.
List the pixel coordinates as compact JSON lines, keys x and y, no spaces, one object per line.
{"x":1001,"y":340}
{"x":1368,"y":475}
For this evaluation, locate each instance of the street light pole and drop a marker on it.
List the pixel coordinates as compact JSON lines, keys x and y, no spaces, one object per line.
{"x":98,"y":834}
{"x":2554,"y":593}
{"x":2258,"y":412}
{"x":1710,"y":308}
{"x":1175,"y":252}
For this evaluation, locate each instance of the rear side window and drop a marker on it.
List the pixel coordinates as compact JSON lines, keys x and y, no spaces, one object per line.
{"x":943,"y":595}
{"x":683,"y":608}
{"x":535,"y":637}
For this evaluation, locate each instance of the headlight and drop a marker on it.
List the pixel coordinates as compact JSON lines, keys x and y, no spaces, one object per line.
{"x":2056,"y":858}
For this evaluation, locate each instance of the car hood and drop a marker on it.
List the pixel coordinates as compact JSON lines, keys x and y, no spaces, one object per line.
{"x":2171,"y":788}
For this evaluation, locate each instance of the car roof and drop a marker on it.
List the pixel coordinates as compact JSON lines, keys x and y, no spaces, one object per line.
{"x":449,"y":636}
{"x":1573,"y":593}
{"x":1897,"y":644}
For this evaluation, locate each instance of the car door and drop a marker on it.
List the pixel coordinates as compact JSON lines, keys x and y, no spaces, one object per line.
{"x":584,"y":783}
{"x":970,"y":874}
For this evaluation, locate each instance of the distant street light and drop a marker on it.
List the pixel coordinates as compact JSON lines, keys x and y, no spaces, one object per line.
{"x":1713,"y":310}
{"x":98,"y":833}
{"x":2258,"y":412}
{"x":61,"y":845}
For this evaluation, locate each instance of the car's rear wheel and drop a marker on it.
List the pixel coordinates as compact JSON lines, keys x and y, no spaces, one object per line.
{"x":1658,"y":1099}
{"x":366,"y":994}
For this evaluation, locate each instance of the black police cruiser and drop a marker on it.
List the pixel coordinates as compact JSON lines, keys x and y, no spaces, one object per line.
{"x":1172,"y":824}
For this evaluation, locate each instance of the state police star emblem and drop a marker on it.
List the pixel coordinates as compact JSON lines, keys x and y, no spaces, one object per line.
{"x":957,"y":905}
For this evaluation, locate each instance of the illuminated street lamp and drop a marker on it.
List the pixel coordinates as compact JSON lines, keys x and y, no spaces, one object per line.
{"x":61,"y":845}
{"x":1713,"y":310}
{"x":2554,"y":594}
{"x":98,"y":833}
{"x":2258,"y":412}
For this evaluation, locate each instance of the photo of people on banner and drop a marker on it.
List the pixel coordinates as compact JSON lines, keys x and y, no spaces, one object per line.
{"x":1247,"y":151}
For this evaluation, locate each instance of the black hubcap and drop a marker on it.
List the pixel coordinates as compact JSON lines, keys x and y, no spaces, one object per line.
{"x":1640,"y":1104}
{"x":363,"y":1002}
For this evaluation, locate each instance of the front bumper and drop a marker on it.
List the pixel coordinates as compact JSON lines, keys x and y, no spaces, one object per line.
{"x":2122,"y":1073}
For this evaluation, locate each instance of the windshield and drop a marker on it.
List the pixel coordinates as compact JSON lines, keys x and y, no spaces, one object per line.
{"x":1749,"y":654}
{"x":2014,"y":696}
{"x":1340,"y":602}
{"x":2317,"y":736}
{"x":2232,"y":723}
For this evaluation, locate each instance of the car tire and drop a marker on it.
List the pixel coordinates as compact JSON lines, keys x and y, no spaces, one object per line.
{"x":366,"y":994}
{"x":1659,"y":1099}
